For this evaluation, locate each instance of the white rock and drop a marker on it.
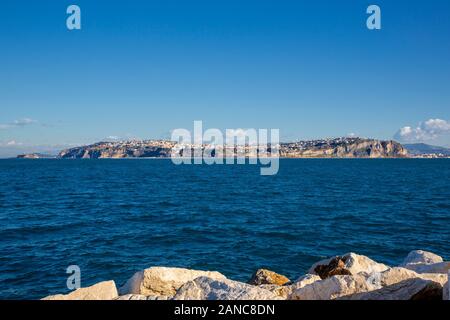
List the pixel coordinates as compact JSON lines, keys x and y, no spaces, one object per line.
{"x":280,"y":291}
{"x":205,"y":288}
{"x":425,"y":262}
{"x":440,"y":267}
{"x":105,"y":290}
{"x":398,"y":274}
{"x":395,"y":275}
{"x":286,"y":290}
{"x":133,"y":285}
{"x":410,"y":289}
{"x":332,"y":288}
{"x":162,"y":281}
{"x":304,"y":281}
{"x":354,"y":263}
{"x":436,"y":277}
{"x":422,"y":257}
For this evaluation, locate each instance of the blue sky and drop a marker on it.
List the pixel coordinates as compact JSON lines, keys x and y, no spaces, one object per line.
{"x":143,"y":68}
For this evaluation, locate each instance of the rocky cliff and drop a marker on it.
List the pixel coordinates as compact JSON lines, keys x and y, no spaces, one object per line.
{"x":124,"y":149}
{"x":343,"y":148}
{"x":327,"y":148}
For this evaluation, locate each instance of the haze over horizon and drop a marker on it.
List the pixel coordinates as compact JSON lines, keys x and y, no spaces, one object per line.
{"x":140,"y":69}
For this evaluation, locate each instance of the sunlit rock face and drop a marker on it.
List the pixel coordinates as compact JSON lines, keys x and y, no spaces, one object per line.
{"x":327,"y":148}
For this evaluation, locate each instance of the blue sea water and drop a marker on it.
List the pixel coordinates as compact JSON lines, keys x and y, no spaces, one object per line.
{"x":114,"y":217}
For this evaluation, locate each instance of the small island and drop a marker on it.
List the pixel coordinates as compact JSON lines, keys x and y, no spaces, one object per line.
{"x":35,"y":156}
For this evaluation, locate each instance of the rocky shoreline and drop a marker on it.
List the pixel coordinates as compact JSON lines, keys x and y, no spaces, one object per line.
{"x":343,"y":147}
{"x":422,"y":276}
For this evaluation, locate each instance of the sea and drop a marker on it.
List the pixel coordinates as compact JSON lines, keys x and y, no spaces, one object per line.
{"x":115,"y":217}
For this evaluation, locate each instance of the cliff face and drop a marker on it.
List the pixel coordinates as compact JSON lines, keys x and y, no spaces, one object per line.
{"x":129,"y":149}
{"x":329,"y":148}
{"x":344,"y":148}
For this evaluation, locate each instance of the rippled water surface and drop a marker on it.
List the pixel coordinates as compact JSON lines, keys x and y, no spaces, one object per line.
{"x":113,"y":217}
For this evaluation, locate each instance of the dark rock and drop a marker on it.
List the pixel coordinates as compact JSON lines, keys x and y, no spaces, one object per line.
{"x":335,"y":267}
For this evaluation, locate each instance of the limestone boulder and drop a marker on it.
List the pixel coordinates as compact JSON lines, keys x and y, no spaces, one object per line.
{"x":332,"y":288}
{"x":286,"y":290}
{"x":425,"y":262}
{"x":132,"y":285}
{"x":421,"y":257}
{"x":163,"y":281}
{"x":440,"y":267}
{"x":398,"y":274}
{"x":304,"y":281}
{"x":410,"y":289}
{"x":205,"y":288}
{"x":279,"y":291}
{"x":264,"y":276}
{"x":348,"y":264}
{"x":105,"y":290}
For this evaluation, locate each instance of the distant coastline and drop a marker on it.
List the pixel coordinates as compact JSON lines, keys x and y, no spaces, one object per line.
{"x":311,"y":149}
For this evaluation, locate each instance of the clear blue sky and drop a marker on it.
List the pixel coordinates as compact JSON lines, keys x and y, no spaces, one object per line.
{"x":143,"y":68}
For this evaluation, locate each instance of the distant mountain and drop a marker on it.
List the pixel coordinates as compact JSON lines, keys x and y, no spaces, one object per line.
{"x":422,"y":148}
{"x":323,"y":148}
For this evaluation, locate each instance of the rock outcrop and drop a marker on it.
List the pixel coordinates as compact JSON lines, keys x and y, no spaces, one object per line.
{"x":302,"y":282}
{"x":286,"y":290}
{"x":425,"y":262}
{"x":411,"y":289}
{"x":343,"y":148}
{"x":348,"y":264}
{"x":163,"y":282}
{"x":205,"y":288}
{"x":334,"y":267}
{"x":398,"y":274}
{"x":264,"y":276}
{"x":120,"y":149}
{"x":101,"y":291}
{"x":421,"y":257}
{"x":441,"y":267}
{"x":332,"y":288}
